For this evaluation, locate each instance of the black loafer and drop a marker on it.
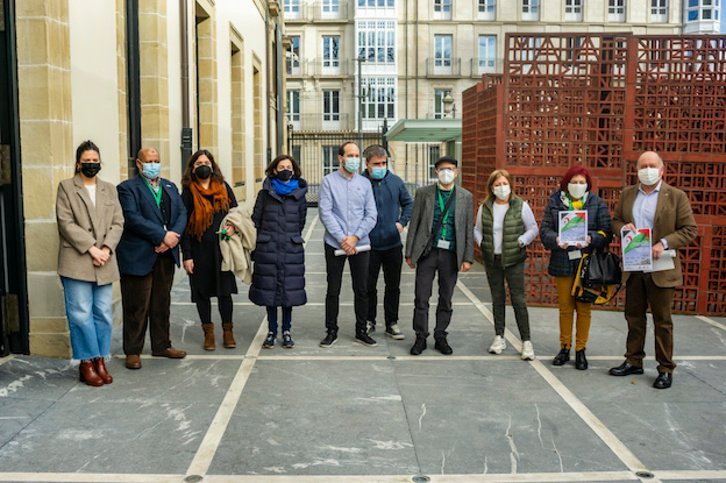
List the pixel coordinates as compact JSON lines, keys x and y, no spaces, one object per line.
{"x":625,"y":369}
{"x":562,"y":357}
{"x":663,"y":381}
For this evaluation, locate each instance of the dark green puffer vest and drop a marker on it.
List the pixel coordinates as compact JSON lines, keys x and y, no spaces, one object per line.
{"x":512,"y":253}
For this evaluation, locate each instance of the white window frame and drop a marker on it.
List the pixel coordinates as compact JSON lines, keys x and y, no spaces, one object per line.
{"x":293,"y":107}
{"x":616,"y":10}
{"x":330,"y":8}
{"x":330,"y":159}
{"x":331,"y":109}
{"x":443,"y":60}
{"x":376,"y":3}
{"x":293,"y":59}
{"x":292,"y":9}
{"x":487,"y":9}
{"x":705,"y":10}
{"x":573,"y":10}
{"x":659,"y":11}
{"x":439,"y":94}
{"x":376,"y":41}
{"x":443,"y":9}
{"x":331,"y":58}
{"x":488,"y":62}
{"x":379,"y":102}
{"x":530,"y":10}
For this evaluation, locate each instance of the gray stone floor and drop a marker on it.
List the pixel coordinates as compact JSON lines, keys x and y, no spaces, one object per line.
{"x":358,"y":414}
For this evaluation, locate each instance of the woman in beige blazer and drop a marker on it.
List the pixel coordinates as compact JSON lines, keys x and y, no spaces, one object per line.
{"x":90,"y":223}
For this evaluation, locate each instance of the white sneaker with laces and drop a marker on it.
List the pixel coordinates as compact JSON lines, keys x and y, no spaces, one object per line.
{"x":498,"y":345}
{"x":527,"y":351}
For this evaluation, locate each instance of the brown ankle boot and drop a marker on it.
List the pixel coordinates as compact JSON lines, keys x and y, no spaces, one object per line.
{"x":227,"y":337}
{"x":99,"y":363}
{"x":209,"y":344}
{"x":88,"y":374}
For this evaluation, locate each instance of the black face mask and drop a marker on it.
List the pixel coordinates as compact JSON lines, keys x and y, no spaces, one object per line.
{"x":284,"y":175}
{"x":203,"y":172}
{"x":90,"y":170}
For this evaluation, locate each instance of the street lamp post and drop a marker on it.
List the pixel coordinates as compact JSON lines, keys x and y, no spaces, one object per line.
{"x":360,"y":61}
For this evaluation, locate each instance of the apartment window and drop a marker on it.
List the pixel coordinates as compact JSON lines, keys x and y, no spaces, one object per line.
{"x":331,"y":7}
{"x":439,"y":95}
{"x":330,"y":159}
{"x":376,"y":3}
{"x":616,"y":10}
{"x":487,"y":9}
{"x":331,"y":106}
{"x":434,"y":153}
{"x":442,"y":51}
{"x":530,"y":9}
{"x":487,"y":53}
{"x":702,"y":10}
{"x":331,"y":51}
{"x":293,"y":107}
{"x":292,"y":9}
{"x":380,"y":100}
{"x":573,"y":10}
{"x":659,"y":10}
{"x":442,"y":9}
{"x":292,"y":56}
{"x":377,"y":41}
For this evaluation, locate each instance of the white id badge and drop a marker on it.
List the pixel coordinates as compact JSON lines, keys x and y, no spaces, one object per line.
{"x":574,"y":254}
{"x":443,"y":244}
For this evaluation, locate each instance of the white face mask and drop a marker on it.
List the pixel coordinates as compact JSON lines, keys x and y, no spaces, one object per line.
{"x":577,"y":190}
{"x":502,"y":192}
{"x":649,"y":176}
{"x":446,"y":176}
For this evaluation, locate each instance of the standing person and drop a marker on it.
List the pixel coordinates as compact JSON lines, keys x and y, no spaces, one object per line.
{"x":394,"y":206}
{"x":575,"y":193}
{"x":90,"y":223}
{"x":207,"y":199}
{"x":439,"y":241}
{"x":667,"y":212}
{"x":348,"y":212}
{"x":279,"y":215}
{"x":155,"y":219}
{"x":505,"y":226}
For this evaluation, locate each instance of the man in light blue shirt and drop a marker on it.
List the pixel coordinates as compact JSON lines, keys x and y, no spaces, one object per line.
{"x":348,"y":212}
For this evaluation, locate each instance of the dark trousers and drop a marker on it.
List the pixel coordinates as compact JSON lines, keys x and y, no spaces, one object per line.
{"x":145,"y":302}
{"x":640,"y":291}
{"x":391,"y":261}
{"x":443,"y":262}
{"x":514,"y":275}
{"x":224,"y":304}
{"x":358,"y":273}
{"x":272,"y":319}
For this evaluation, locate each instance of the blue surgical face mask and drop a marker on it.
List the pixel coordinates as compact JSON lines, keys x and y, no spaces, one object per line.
{"x":352,"y":164}
{"x":151,"y":170}
{"x":378,"y":172}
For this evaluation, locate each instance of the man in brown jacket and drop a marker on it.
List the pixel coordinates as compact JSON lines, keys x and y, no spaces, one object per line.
{"x":667,"y":212}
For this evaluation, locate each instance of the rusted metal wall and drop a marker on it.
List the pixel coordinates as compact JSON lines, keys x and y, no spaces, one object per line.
{"x":600,"y":100}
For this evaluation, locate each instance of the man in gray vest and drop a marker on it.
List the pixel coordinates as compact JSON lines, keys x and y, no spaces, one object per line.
{"x":440,"y":240}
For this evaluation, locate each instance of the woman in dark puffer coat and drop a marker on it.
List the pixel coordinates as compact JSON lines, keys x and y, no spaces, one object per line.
{"x":279,"y":215}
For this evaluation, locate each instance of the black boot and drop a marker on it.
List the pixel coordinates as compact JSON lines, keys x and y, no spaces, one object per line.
{"x":419,"y":346}
{"x":562,"y":357}
{"x":580,"y":360}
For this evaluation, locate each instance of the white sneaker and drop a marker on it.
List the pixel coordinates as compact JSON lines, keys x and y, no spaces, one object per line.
{"x":498,"y":345}
{"x":527,"y":351}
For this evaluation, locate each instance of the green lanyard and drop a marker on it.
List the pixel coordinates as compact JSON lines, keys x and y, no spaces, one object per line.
{"x":156,"y":194}
{"x":442,"y":205}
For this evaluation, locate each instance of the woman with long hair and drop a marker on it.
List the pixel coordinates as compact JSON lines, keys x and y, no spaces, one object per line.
{"x":505,"y":225}
{"x":90,"y":224}
{"x":208,"y":199}
{"x":279,"y":215}
{"x":575,"y":193}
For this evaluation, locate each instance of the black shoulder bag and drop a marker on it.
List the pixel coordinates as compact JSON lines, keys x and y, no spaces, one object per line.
{"x":432,"y":235}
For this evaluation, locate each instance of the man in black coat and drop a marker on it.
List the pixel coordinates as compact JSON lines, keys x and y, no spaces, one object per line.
{"x":155,"y":219}
{"x":394,"y":205}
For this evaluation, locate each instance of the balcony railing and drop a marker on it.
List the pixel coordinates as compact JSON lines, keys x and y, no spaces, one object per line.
{"x":445,"y":67}
{"x":321,"y":122}
{"x":321,"y":68}
{"x":319,"y":12}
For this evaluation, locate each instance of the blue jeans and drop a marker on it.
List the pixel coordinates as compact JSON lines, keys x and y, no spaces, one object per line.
{"x":272,"y":319}
{"x":89,"y":309}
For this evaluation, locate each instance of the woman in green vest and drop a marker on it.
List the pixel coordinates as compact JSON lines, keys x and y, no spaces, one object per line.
{"x":505,"y":225}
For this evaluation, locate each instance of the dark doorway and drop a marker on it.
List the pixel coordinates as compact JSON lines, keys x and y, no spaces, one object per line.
{"x":13,"y":287}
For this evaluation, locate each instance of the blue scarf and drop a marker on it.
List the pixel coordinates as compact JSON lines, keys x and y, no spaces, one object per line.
{"x":283,"y":189}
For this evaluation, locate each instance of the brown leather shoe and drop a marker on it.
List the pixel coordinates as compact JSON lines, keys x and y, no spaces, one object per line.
{"x":88,"y":374}
{"x":99,"y":363}
{"x":133,"y":361}
{"x":227,"y":336}
{"x":171,"y":353}
{"x":209,"y":344}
